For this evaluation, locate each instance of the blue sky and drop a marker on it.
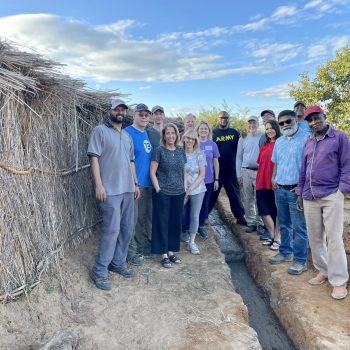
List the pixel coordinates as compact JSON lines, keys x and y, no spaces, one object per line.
{"x":184,"y":55}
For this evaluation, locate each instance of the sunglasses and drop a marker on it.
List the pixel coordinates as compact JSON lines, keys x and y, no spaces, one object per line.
{"x":144,"y":115}
{"x":190,"y":138}
{"x":287,"y":122}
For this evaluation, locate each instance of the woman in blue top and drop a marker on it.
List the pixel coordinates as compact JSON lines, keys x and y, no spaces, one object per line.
{"x":195,"y":187}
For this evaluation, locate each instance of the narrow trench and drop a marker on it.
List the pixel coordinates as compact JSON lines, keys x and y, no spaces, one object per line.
{"x":271,"y":334}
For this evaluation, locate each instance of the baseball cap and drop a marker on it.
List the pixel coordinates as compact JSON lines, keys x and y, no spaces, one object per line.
{"x":141,"y":107}
{"x":157,"y":108}
{"x":115,"y":102}
{"x":253,"y":117}
{"x":313,"y":109}
{"x":267,"y":111}
{"x":299,"y":103}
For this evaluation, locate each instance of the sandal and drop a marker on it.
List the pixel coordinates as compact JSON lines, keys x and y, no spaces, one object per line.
{"x":268,"y":242}
{"x":174,"y":259}
{"x":275,"y":245}
{"x":165,"y":262}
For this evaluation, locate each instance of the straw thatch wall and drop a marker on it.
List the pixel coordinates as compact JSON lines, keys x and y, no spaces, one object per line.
{"x":45,"y":184}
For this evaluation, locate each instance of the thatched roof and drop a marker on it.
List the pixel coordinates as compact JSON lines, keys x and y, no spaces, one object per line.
{"x":46,"y":191}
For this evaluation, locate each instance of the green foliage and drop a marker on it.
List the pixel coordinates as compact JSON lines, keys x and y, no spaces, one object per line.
{"x":237,"y":119}
{"x":330,"y":88}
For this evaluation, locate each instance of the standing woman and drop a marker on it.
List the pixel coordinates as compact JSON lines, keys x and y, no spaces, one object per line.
{"x":211,"y":178}
{"x":265,"y":196}
{"x":195,"y":187}
{"x":168,"y":178}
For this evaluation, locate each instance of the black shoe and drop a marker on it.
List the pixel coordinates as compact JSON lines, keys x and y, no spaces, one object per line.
{"x":123,"y":270}
{"x":260,"y":230}
{"x":202,"y":233}
{"x":265,"y":237}
{"x":251,"y":229}
{"x":136,"y":260}
{"x":100,"y":282}
{"x":242,"y":221}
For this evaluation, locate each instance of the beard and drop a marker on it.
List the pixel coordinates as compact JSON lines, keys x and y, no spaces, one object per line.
{"x":291,"y":130}
{"x":116,"y":118}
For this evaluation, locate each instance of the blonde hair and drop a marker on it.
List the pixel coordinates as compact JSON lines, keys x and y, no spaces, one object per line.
{"x":203,"y":122}
{"x":162,"y":139}
{"x":191,"y":133}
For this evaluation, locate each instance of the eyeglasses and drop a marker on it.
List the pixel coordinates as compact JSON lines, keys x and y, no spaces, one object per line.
{"x":144,"y":115}
{"x":288,"y":121}
{"x":190,"y":138}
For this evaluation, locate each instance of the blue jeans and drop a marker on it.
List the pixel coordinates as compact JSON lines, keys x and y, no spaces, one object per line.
{"x":291,"y":220}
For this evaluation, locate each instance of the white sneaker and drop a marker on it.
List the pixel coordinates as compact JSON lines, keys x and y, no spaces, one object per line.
{"x":193,"y":248}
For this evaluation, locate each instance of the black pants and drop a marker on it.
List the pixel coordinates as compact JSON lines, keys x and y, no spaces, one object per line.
{"x":166,"y":222}
{"x":232,"y":190}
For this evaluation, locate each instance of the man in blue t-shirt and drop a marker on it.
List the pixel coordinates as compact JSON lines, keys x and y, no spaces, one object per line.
{"x":140,"y":243}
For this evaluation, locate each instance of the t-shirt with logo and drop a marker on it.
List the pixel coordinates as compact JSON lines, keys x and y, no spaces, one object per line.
{"x":210,"y":150}
{"x":143,"y":155}
{"x":227,"y":142}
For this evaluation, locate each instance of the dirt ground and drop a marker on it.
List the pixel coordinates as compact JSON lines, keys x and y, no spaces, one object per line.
{"x":312,"y":319}
{"x":191,"y":306}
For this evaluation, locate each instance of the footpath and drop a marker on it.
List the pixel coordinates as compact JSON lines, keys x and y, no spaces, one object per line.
{"x":311,"y":318}
{"x":190,"y":306}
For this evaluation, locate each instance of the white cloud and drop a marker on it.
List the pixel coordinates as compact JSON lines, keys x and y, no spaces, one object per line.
{"x":106,"y":52}
{"x":146,"y":87}
{"x":327,"y":46}
{"x":284,"y":11}
{"x":273,"y":52}
{"x":280,"y":91}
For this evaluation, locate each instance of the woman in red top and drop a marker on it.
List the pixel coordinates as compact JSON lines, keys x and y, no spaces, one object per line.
{"x":265,"y":196}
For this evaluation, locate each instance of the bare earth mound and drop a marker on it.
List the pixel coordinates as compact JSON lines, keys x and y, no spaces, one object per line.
{"x":191,"y":306}
{"x":310,"y":317}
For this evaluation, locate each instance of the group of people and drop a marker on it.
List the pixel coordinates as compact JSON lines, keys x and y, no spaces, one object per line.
{"x":152,"y":183}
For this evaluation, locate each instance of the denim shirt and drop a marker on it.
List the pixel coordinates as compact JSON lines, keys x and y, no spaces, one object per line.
{"x":287,"y":155}
{"x":326,"y":166}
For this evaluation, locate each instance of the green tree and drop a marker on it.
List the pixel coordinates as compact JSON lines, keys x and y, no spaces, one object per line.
{"x":237,"y":120}
{"x":330,"y":88}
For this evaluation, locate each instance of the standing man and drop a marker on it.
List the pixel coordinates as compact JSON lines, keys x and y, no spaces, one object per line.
{"x":246,"y":170}
{"x":266,"y":115}
{"x":324,"y":178}
{"x":299,"y":109}
{"x":140,"y":244}
{"x":226,"y":139}
{"x":156,"y":129}
{"x":287,"y":158}
{"x":111,"y":158}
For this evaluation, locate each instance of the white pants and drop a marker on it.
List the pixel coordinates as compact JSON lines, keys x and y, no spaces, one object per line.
{"x":324,"y":220}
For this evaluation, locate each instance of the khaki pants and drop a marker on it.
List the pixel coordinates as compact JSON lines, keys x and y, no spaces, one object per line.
{"x":249,"y":197}
{"x":324,"y":221}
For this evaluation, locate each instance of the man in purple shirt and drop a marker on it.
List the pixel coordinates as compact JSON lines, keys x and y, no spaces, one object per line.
{"x":324,"y":178}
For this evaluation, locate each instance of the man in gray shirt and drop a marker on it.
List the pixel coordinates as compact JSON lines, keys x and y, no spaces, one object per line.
{"x":246,"y":169}
{"x":111,"y":158}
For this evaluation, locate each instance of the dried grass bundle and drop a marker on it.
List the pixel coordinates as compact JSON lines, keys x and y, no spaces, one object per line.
{"x":46,"y":191}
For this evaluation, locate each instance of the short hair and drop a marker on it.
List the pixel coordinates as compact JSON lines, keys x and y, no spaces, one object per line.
{"x":286,"y":112}
{"x":224,"y":114}
{"x":191,"y":133}
{"x":188,"y":116}
{"x":170,"y":125}
{"x":203,"y":122}
{"x":275,"y":127}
